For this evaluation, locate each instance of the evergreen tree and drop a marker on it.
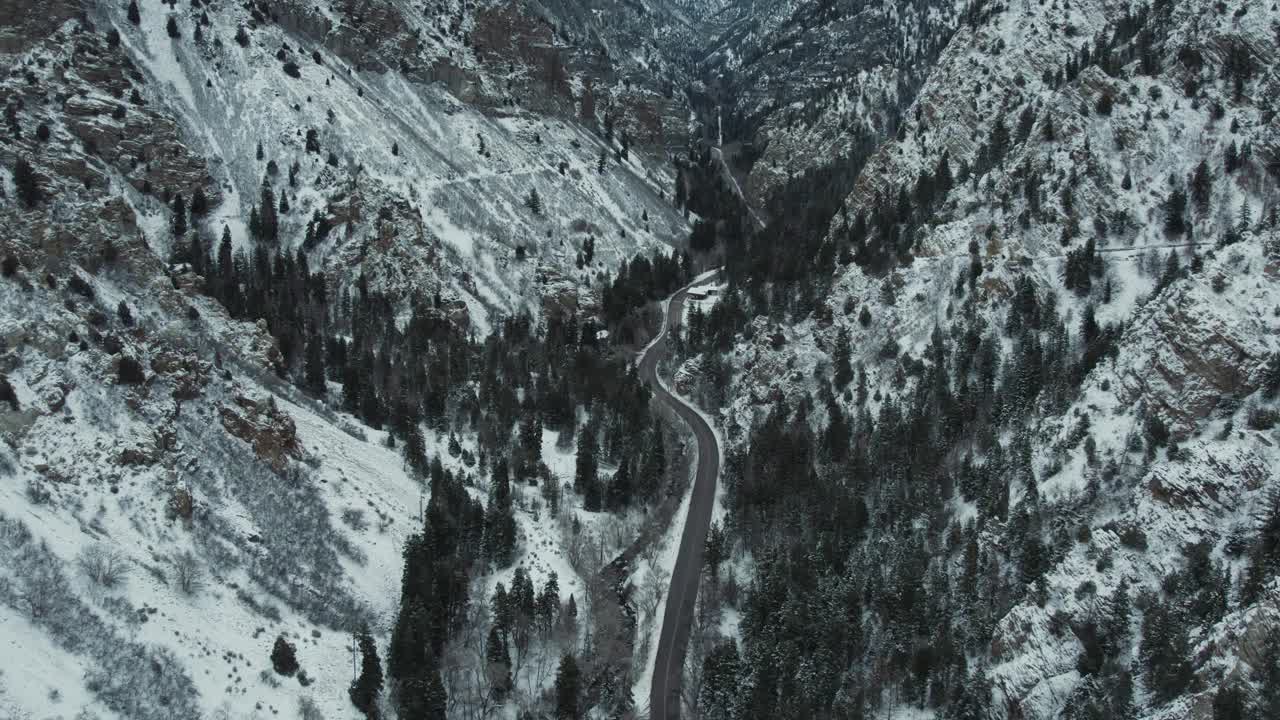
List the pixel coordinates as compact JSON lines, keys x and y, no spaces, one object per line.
{"x":179,"y":220}
{"x":24,"y":179}
{"x":618,"y":495}
{"x":1202,"y":187}
{"x":567,"y":688}
{"x":500,"y":524}
{"x":199,"y":203}
{"x":584,"y":477}
{"x":364,"y":690}
{"x":1165,"y":650}
{"x":499,"y":662}
{"x":1115,"y":626}
{"x":415,"y":450}
{"x":283,"y":657}
{"x":270,"y":224}
{"x":1229,"y":703}
{"x":1267,"y":678}
{"x":548,"y":609}
{"x":134,"y":17}
{"x":840,"y":358}
{"x":1175,"y":211}
{"x":172,"y":28}
{"x":718,"y":695}
{"x":315,"y":370}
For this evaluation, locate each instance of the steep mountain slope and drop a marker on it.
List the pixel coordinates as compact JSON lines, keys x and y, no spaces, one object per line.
{"x":1039,"y":289}
{"x":798,"y":83}
{"x":158,"y":166}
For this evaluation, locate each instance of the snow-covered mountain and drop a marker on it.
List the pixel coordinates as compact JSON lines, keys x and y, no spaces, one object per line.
{"x":1106,"y":172}
{"x":996,"y":378}
{"x":486,"y":161}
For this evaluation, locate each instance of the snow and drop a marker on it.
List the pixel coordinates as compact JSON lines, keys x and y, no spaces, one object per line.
{"x":36,"y":673}
{"x":666,"y":551}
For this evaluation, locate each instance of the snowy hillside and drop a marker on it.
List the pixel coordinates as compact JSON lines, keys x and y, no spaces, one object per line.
{"x":1106,"y":173}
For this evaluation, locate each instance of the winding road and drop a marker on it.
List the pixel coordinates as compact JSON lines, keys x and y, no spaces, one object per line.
{"x":677,"y":621}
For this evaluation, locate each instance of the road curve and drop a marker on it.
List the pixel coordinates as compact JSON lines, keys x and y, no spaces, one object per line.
{"x":677,"y":621}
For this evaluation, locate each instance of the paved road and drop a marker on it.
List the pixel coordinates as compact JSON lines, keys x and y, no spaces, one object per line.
{"x":664,"y":698}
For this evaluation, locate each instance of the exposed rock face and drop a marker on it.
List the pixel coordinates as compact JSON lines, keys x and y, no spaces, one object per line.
{"x":1201,"y":351}
{"x":188,"y":372}
{"x":20,"y":27}
{"x":268,"y":429}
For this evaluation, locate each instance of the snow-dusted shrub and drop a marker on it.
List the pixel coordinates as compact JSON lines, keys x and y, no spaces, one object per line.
{"x":269,"y":678}
{"x":354,"y":519}
{"x":1261,"y":418}
{"x":353,"y":430}
{"x":294,"y":555}
{"x":308,"y":710}
{"x":132,"y":679}
{"x":266,"y":610}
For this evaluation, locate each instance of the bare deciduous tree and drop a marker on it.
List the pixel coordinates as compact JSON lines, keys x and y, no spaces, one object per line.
{"x":188,"y":572}
{"x":104,"y":565}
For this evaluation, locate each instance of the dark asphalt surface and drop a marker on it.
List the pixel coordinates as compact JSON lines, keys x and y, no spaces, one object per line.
{"x":677,"y":622}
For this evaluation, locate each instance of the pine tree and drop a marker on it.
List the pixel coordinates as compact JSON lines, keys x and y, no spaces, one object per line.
{"x":24,"y":179}
{"x":500,"y":524}
{"x":586,"y":465}
{"x":1175,"y":211}
{"x":283,"y":657}
{"x":618,"y":495}
{"x":1229,"y":703}
{"x":270,"y":224}
{"x":1202,"y":187}
{"x":534,"y":202}
{"x":840,"y":358}
{"x":499,"y":662}
{"x":134,"y":17}
{"x":1245,"y":219}
{"x":415,"y":450}
{"x":718,"y":695}
{"x":1115,"y":626}
{"x":315,"y":371}
{"x":172,"y":28}
{"x":567,"y":688}
{"x":1267,"y":678}
{"x":179,"y":220}
{"x":199,"y":203}
{"x":1047,"y":132}
{"x":548,"y":610}
{"x":364,"y":690}
{"x":1165,"y":650}
{"x":255,"y":224}
{"x":8,"y":394}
